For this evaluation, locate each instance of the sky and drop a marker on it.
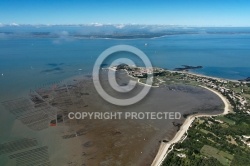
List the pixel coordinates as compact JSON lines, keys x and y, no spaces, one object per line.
{"x":167,"y":12}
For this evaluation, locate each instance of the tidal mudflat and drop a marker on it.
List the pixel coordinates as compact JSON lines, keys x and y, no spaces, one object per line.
{"x":106,"y":141}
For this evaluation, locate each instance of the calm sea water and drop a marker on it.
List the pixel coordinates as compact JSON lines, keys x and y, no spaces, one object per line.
{"x":34,"y":62}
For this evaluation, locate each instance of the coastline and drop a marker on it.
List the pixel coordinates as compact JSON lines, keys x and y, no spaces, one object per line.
{"x":102,"y":129}
{"x":202,"y":75}
{"x":165,"y":147}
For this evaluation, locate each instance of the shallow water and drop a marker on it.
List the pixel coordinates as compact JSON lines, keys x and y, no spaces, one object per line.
{"x":110,"y":142}
{"x":38,"y":63}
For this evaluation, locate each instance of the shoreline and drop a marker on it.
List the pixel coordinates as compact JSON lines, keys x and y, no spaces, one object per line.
{"x":203,"y":75}
{"x":164,"y":148}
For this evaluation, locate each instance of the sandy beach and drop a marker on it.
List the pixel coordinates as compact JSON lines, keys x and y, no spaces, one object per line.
{"x":202,"y":75}
{"x":165,"y":147}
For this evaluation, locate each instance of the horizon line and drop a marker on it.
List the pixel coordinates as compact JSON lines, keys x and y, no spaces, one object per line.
{"x":117,"y":24}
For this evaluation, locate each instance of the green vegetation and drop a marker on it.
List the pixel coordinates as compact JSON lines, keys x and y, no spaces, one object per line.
{"x":217,"y":140}
{"x":224,"y":119}
{"x":223,"y":157}
{"x":210,"y":142}
{"x":204,"y":131}
{"x":194,"y":160}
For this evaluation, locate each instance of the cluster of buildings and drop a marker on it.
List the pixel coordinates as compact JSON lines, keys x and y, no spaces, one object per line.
{"x":140,"y":72}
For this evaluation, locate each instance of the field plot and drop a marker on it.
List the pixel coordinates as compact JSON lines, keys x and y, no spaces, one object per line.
{"x":224,"y":119}
{"x":223,"y":157}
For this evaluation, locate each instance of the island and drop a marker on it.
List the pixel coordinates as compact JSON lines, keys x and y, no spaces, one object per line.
{"x":245,"y":80}
{"x":187,"y":67}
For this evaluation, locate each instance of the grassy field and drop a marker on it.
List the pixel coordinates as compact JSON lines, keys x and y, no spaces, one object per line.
{"x":204,"y":131}
{"x":224,"y":119}
{"x":223,"y":157}
{"x":226,"y":155}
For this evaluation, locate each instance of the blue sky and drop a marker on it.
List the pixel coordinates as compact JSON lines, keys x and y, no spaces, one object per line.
{"x":169,"y":12}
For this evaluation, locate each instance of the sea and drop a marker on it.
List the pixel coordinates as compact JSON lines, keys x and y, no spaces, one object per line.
{"x":33,"y":62}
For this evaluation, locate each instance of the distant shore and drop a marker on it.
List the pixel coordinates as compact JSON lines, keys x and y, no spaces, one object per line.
{"x":165,"y":147}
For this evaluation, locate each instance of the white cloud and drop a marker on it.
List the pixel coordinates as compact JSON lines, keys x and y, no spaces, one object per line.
{"x":120,"y":26}
{"x":97,"y":24}
{"x":64,"y":33}
{"x":63,"y":36}
{"x":14,"y":24}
